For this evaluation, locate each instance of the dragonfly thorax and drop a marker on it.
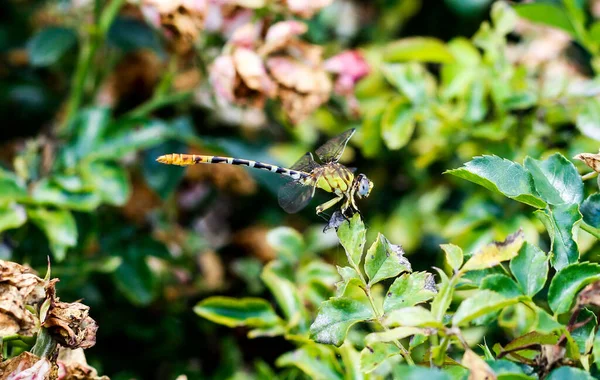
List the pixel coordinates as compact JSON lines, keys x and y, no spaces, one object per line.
{"x":334,"y":178}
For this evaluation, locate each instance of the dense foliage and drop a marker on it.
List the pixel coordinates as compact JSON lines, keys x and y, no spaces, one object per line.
{"x":476,"y":255}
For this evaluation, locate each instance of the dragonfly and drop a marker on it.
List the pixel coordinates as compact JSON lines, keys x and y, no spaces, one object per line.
{"x":307,"y":175}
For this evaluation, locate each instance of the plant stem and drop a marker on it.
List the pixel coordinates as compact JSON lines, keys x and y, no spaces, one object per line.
{"x":379,"y":316}
{"x":589,"y":176}
{"x":591,"y":230}
{"x":86,"y":55}
{"x":158,"y":102}
{"x":44,"y":345}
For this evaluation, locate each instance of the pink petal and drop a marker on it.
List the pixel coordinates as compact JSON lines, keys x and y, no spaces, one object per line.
{"x":283,"y":31}
{"x":222,"y":77}
{"x":350,"y":63}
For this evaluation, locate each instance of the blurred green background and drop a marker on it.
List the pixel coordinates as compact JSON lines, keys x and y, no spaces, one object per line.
{"x":87,"y":106}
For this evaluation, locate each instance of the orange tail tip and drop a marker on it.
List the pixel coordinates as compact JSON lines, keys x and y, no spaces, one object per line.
{"x":165,"y":159}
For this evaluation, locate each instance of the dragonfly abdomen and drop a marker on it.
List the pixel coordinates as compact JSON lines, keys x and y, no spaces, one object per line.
{"x":193,"y":159}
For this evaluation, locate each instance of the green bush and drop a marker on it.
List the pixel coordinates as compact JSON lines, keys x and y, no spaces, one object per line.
{"x":437,"y":277}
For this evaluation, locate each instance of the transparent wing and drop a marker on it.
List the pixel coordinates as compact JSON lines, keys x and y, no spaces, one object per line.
{"x":305,"y":164}
{"x":332,"y":150}
{"x":295,"y":195}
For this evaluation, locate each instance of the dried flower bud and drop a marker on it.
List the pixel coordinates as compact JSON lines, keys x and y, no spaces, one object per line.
{"x":181,"y":20}
{"x":302,"y":90}
{"x":69,"y":323}
{"x":281,"y":34}
{"x":592,"y":160}
{"x":19,"y":287}
{"x":252,"y":71}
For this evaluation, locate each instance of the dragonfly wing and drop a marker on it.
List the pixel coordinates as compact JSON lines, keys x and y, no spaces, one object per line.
{"x":332,"y":150}
{"x":305,"y":164}
{"x":295,"y":195}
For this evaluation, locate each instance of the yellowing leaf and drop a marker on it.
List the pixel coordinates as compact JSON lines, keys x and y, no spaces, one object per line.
{"x":479,"y":370}
{"x":497,"y":252}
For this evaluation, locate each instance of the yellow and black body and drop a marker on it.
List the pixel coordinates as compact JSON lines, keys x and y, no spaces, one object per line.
{"x":307,"y":175}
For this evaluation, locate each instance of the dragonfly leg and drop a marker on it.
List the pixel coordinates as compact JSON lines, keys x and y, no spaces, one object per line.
{"x":330,"y":203}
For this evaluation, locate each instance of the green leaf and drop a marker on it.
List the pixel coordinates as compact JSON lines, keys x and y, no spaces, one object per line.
{"x":560,"y":222}
{"x":495,"y":253}
{"x":371,"y":133}
{"x":58,"y":226}
{"x":480,"y":304}
{"x":528,"y":339}
{"x":584,"y":335}
{"x":530,"y":268}
{"x":11,"y":188}
{"x":410,"y":79}
{"x":12,"y":216}
{"x":350,"y":277}
{"x":594,"y":32}
{"x":520,"y":100}
{"x":130,"y":141}
{"x":420,"y":373}
{"x":352,"y":236}
{"x":547,"y":14}
{"x":502,"y":176}
{"x":504,"y":18}
{"x":567,"y":283}
{"x":46,"y":192}
{"x":134,"y":277}
{"x":454,"y":255}
{"x":351,"y":360}
{"x":569,"y":373}
{"x":590,"y":210}
{"x":163,"y":179}
{"x":316,"y":361}
{"x":596,"y":349}
{"x":415,"y":316}
{"x":502,"y":284}
{"x":287,"y":243}
{"x":49,"y":45}
{"x":89,"y":128}
{"x":335,"y":318}
{"x":442,"y":300}
{"x":284,"y":291}
{"x":110,"y":181}
{"x":423,"y":49}
{"x":398,"y":124}
{"x":234,"y":312}
{"x":408,"y":290}
{"x":384,"y":260}
{"x":546,"y":323}
{"x":374,"y":354}
{"x":397,"y":333}
{"x":588,"y":119}
{"x":556,"y":179}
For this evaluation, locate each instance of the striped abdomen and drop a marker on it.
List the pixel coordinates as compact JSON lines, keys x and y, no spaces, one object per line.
{"x":193,"y":159}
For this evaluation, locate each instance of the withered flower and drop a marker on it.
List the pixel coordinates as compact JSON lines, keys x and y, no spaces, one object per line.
{"x":302,"y":88}
{"x":180,"y":20}
{"x":26,"y":366}
{"x":241,"y":78}
{"x":68,"y":323}
{"x":350,"y":67}
{"x":73,"y":365}
{"x":275,"y":65}
{"x":592,"y":160}
{"x":19,"y":287}
{"x":306,"y":8}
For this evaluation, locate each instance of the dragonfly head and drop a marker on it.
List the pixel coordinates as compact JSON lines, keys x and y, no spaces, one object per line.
{"x":363,"y":186}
